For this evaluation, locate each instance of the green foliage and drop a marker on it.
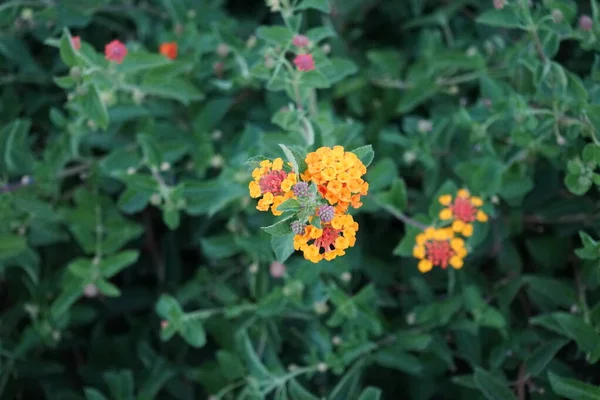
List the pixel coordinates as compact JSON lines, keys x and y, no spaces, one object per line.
{"x":135,"y":265}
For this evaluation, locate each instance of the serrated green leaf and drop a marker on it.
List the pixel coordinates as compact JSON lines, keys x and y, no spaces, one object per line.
{"x":492,"y":387}
{"x":283,"y":246}
{"x":365,"y":154}
{"x":573,"y":389}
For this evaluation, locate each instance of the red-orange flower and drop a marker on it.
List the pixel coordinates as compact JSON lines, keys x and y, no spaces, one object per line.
{"x":115,"y":51}
{"x":76,"y":42}
{"x":169,"y":50}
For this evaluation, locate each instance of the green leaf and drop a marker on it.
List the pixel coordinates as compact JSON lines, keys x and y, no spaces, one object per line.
{"x":291,"y":158}
{"x":396,"y":197}
{"x":93,"y":394}
{"x":283,"y":246}
{"x":142,"y":61}
{"x":192,"y":331}
{"x":320,"y":33}
{"x":321,"y":5}
{"x":365,"y":154}
{"x":396,"y":358}
{"x":167,"y":307}
{"x":314,"y":79}
{"x":289,"y":205}
{"x":591,"y":154}
{"x":370,"y":393}
{"x":504,"y":18}
{"x":573,"y":389}
{"x":541,"y":356}
{"x":11,"y":245}
{"x":112,"y":265}
{"x":492,"y":387}
{"x":94,"y":108}
{"x":67,"y":52}
{"x":174,"y":88}
{"x":275,"y":34}
{"x":120,"y":384}
{"x":107,"y":288}
{"x":417,"y":94}
{"x":280,"y":228}
{"x":298,"y":392}
{"x":231,"y":365}
{"x":257,"y":369}
{"x":578,"y":184}
{"x":150,"y":149}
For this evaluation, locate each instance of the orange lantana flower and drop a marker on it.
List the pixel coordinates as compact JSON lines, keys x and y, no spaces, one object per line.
{"x":463,"y":210}
{"x":168,"y":50}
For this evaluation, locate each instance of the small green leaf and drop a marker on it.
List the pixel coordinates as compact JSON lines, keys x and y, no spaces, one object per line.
{"x":280,"y":228}
{"x":192,"y":331}
{"x":107,"y":288}
{"x":283,"y":246}
{"x":112,"y":265}
{"x":93,"y":394}
{"x":541,"y":357}
{"x":573,"y":389}
{"x":365,"y":154}
{"x":168,"y":308}
{"x":275,"y":34}
{"x":504,"y":18}
{"x":370,"y":393}
{"x":231,"y":365}
{"x":67,"y":51}
{"x":11,"y":245}
{"x":314,"y":79}
{"x":396,"y":197}
{"x":94,"y":108}
{"x":289,"y":205}
{"x":321,"y":5}
{"x":290,"y":157}
{"x":591,"y":154}
{"x":150,"y":149}
{"x":492,"y":387}
{"x":298,"y":392}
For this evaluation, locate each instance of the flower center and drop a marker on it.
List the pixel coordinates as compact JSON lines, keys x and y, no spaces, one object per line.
{"x":464,"y":210}
{"x":271,"y":182}
{"x":327,"y":239}
{"x":439,"y":252}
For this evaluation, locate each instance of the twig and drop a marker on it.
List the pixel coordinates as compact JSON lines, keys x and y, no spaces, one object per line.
{"x":398,"y":215}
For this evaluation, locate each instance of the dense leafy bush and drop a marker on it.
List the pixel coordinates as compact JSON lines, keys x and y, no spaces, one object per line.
{"x":299,"y":199}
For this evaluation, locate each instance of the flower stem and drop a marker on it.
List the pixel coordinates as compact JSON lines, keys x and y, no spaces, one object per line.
{"x":399,"y":215}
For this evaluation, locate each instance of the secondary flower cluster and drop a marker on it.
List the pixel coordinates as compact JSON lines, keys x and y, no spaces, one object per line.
{"x":440,"y":247}
{"x":338,"y":175}
{"x":116,"y":50}
{"x":326,"y":229}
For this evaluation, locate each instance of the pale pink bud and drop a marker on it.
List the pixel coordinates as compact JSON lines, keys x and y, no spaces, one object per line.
{"x":277,"y":269}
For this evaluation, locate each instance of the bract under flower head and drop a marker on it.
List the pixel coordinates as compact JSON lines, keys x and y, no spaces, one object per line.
{"x":463,"y":210}
{"x":273,"y":184}
{"x":338,"y":175}
{"x":328,"y":242}
{"x":439,"y":248}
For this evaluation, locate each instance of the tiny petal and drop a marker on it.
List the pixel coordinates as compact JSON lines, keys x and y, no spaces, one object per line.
{"x":476,"y":201}
{"x":445,"y":199}
{"x":467,"y":231}
{"x":458,"y":225}
{"x":456,"y":262}
{"x":481,"y":216}
{"x":76,"y":42}
{"x":300,"y":41}
{"x":464,"y":193}
{"x":446,"y":214}
{"x":425,"y":266}
{"x":419,"y":252}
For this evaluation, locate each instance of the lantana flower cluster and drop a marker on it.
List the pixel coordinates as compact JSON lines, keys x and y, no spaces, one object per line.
{"x":331,"y":183}
{"x":443,"y":247}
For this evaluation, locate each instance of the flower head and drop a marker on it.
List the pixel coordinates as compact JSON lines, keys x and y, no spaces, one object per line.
{"x":169,"y":50}
{"x":463,"y":210}
{"x":586,"y":23}
{"x":439,"y":248}
{"x":300,"y":41}
{"x":328,"y":242}
{"x":298,"y":227}
{"x":301,"y":189}
{"x":76,"y":42}
{"x":304,"y":62}
{"x":326,"y":213}
{"x":273,"y":183}
{"x":338,"y":176}
{"x":115,"y":51}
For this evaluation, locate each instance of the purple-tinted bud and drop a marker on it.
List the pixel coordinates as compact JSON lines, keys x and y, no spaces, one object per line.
{"x":300,"y":189}
{"x":326,"y":213}
{"x":298,"y":227}
{"x":585,"y":23}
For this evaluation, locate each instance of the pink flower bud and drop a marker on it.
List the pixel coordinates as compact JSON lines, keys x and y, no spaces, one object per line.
{"x":300,"y":41}
{"x":277,"y":269}
{"x":585,"y":23}
{"x":499,"y":4}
